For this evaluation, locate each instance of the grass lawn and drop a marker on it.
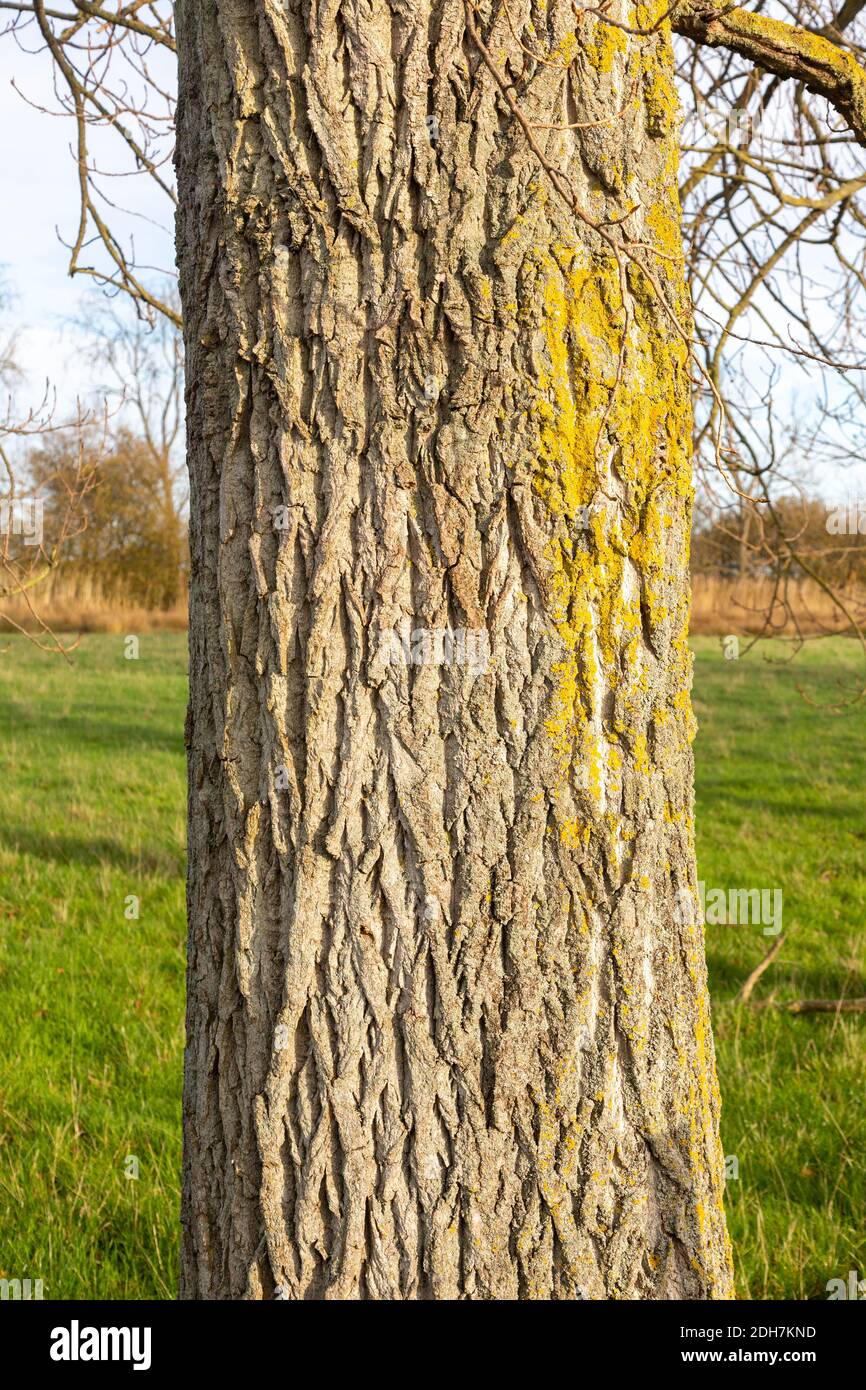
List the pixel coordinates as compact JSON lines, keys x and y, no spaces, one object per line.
{"x":92,"y":801}
{"x":92,"y":815}
{"x":781,"y":804}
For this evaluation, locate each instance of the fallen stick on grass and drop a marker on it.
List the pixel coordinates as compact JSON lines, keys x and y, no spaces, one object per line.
{"x":825,"y":1006}
{"x":749,"y":984}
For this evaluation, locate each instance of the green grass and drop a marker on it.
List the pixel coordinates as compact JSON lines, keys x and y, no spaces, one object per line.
{"x":92,"y":811}
{"x":780,"y":796}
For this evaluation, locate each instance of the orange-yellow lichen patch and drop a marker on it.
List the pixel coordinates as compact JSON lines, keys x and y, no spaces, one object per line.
{"x":612,"y":387}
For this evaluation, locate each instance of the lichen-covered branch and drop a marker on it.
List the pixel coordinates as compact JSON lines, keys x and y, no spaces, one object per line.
{"x":784,"y":49}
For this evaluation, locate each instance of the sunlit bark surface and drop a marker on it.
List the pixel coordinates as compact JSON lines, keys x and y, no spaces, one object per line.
{"x":448,"y":1026}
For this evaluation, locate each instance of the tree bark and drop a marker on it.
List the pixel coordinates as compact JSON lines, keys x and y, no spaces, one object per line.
{"x":448,"y":1025}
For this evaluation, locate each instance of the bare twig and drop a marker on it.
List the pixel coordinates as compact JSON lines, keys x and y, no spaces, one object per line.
{"x":749,"y":984}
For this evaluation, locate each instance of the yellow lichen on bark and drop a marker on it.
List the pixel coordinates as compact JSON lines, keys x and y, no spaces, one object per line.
{"x":598,"y":418}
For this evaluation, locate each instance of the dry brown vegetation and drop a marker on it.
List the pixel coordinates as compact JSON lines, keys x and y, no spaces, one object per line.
{"x":755,"y":605}
{"x":64,"y":606}
{"x":719,"y":606}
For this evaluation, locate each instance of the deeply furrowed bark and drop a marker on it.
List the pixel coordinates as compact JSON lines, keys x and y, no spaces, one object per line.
{"x":448,"y":1030}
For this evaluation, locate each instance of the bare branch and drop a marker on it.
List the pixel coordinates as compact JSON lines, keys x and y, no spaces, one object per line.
{"x":786,"y":50}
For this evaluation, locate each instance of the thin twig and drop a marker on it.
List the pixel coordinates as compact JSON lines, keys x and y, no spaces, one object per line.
{"x":749,"y":984}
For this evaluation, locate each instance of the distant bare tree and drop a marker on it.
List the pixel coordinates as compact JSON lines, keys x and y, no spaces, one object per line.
{"x":143,"y":366}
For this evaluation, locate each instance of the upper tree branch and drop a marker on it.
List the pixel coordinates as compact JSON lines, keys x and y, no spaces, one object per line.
{"x":783,"y":49}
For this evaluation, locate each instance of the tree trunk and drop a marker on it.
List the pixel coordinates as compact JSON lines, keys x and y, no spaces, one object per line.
{"x":448,"y":1027}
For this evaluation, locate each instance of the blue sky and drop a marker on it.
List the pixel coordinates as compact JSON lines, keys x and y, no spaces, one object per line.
{"x":39,"y":198}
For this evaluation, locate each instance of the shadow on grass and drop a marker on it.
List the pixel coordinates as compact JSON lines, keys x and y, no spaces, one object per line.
{"x":790,"y":981}
{"x":94,"y":850}
{"x":105,"y":733}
